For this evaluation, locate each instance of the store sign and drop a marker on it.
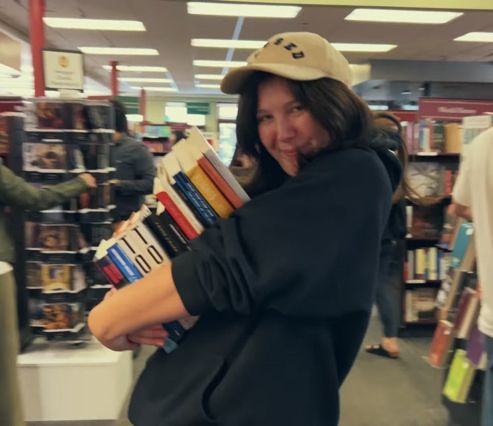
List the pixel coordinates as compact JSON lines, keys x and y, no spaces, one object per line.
{"x":201,"y":108}
{"x":452,"y":109}
{"x":132,"y":104}
{"x":63,"y":70}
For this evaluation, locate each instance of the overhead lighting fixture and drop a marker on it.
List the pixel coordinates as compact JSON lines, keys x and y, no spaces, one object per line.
{"x":208,"y":86}
{"x":94,"y":24}
{"x":118,"y":51}
{"x":5,"y":70}
{"x":483,"y":37}
{"x":136,"y":68}
{"x":227,"y":44}
{"x":363,"y":47}
{"x":134,"y":117}
{"x":209,"y":76}
{"x":240,"y":9}
{"x":156,"y":89}
{"x":378,"y":107}
{"x":402,"y":16}
{"x":218,"y":64}
{"x":145,"y":80}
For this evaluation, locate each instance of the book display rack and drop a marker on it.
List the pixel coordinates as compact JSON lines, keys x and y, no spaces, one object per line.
{"x":57,"y":140}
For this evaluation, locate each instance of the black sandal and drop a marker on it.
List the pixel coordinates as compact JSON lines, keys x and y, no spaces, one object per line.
{"x":381,"y":351}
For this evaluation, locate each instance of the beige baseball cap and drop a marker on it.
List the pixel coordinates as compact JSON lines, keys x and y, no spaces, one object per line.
{"x":297,"y":56}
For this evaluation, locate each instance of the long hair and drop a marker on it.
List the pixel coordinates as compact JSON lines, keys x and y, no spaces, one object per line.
{"x":387,"y":120}
{"x":333,"y":105}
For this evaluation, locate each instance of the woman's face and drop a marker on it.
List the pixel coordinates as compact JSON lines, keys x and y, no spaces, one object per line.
{"x":288,"y":131}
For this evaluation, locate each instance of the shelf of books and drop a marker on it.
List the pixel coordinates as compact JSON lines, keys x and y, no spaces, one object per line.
{"x":436,"y":138}
{"x":457,"y":345}
{"x":57,"y":140}
{"x":193,"y":189}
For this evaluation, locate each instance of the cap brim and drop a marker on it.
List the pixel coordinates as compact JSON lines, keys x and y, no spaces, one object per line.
{"x":235,"y":79}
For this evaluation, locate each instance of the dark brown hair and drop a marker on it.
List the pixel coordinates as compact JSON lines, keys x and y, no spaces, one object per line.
{"x":333,"y":105}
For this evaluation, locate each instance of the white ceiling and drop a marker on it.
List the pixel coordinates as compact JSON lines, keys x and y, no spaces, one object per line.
{"x":170,"y":29}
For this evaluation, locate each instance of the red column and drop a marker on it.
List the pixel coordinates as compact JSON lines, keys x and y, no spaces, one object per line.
{"x":114,"y":78}
{"x":37,"y":38}
{"x":142,"y":104}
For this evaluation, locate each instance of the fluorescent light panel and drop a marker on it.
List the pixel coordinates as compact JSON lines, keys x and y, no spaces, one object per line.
{"x":94,"y":24}
{"x":402,"y":16}
{"x":156,"y":89}
{"x":208,"y":86}
{"x":227,"y":44}
{"x":240,"y":9}
{"x":145,"y":80}
{"x":477,"y":37}
{"x":134,"y":117}
{"x":218,"y":64}
{"x":209,"y":76}
{"x":118,"y":51}
{"x":136,"y":68}
{"x":363,"y":47}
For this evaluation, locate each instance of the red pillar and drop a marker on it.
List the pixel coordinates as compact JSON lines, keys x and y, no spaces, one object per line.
{"x":142,"y":103}
{"x":37,"y":39}
{"x":114,"y":78}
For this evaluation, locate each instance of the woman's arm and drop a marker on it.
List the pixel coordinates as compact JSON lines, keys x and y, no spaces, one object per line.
{"x":150,"y":301}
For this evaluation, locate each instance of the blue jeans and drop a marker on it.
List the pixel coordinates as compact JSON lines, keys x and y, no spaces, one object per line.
{"x":388,"y":295}
{"x":487,"y":411}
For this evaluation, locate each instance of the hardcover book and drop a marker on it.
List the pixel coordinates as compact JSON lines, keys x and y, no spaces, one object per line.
{"x":459,"y":378}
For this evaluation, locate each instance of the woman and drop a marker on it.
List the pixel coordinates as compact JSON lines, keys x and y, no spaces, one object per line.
{"x":284,"y":286}
{"x":16,"y":192}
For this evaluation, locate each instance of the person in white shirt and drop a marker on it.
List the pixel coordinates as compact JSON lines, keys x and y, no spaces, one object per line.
{"x":473,"y":198}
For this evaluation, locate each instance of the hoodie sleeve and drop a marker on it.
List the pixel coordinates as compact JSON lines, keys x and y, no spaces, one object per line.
{"x":309,"y":248}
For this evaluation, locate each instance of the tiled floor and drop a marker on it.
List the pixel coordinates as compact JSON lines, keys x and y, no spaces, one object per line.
{"x":378,"y":391}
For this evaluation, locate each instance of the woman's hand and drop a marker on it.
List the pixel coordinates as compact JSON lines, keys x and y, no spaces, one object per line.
{"x":155,"y":336}
{"x":88,"y":179}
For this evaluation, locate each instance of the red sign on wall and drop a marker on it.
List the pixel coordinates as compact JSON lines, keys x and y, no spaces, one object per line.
{"x":452,"y":109}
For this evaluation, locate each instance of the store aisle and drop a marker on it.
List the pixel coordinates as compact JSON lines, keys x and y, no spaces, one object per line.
{"x":388,"y":392}
{"x":378,"y":392}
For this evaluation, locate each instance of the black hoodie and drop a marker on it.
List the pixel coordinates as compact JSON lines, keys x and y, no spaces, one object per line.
{"x":284,"y":288}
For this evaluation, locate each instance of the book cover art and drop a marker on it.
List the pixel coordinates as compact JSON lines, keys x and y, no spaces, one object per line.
{"x":56,"y":277}
{"x":426,"y":221}
{"x":426,"y":178}
{"x":33,"y":275}
{"x":44,"y":156}
{"x":62,"y":316}
{"x":441,"y":343}
{"x":54,"y":238}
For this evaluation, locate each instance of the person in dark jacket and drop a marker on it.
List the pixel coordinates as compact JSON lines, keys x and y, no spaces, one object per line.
{"x":134,"y":168}
{"x":16,"y":192}
{"x":284,"y":286}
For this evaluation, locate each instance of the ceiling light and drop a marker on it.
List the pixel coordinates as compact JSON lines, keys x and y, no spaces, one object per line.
{"x":94,"y":24}
{"x":156,"y":89}
{"x":476,"y":36}
{"x":208,"y":86}
{"x":134,"y":117}
{"x":402,"y":16}
{"x":363,"y":47}
{"x":145,"y":80}
{"x":118,"y":51}
{"x":246,"y":10}
{"x":378,"y":107}
{"x":235,"y":44}
{"x":136,"y":68}
{"x":209,"y":76}
{"x":219,"y":64}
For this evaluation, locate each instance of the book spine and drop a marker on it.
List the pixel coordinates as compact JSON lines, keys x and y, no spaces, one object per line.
{"x":151,"y":248}
{"x":134,"y":253}
{"x":190,"y":192}
{"x":171,"y":238}
{"x":220,"y":182}
{"x":124,"y":264}
{"x":177,"y":215}
{"x":111,"y":271}
{"x":227,"y":175}
{"x":210,"y":192}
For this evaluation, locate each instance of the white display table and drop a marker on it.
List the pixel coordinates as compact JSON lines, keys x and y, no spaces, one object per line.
{"x":60,"y":382}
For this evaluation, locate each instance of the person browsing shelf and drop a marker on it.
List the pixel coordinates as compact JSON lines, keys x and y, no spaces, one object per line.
{"x":16,"y":192}
{"x":284,"y":286}
{"x":134,"y":168}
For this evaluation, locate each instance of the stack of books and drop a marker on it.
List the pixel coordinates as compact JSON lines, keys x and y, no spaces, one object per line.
{"x":194,"y":189}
